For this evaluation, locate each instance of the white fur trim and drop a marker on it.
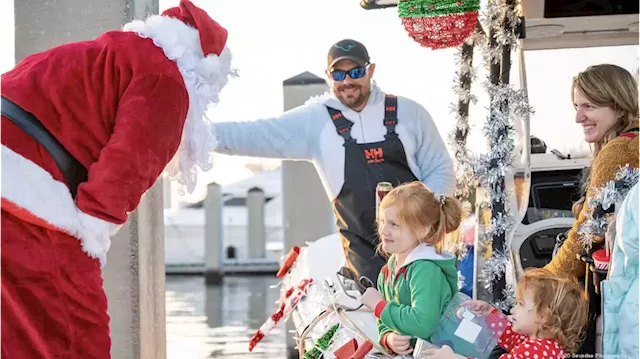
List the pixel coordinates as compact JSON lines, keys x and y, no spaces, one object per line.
{"x":204,"y":78}
{"x":96,"y":234}
{"x":425,"y":251}
{"x":30,"y":187}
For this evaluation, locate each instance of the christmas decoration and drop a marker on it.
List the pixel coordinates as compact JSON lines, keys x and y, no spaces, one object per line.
{"x":439,"y":24}
{"x":465,"y":178}
{"x":347,"y":350}
{"x":323,"y":343}
{"x":351,"y":350}
{"x":288,"y":262}
{"x":602,"y":204}
{"x":363,"y":350}
{"x":507,"y":106}
{"x":291,"y":298}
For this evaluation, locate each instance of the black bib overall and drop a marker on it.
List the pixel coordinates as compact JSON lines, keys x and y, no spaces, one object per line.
{"x":365,"y":165}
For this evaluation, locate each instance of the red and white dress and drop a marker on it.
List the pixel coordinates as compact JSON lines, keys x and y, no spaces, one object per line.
{"x":123,"y":105}
{"x":521,"y":346}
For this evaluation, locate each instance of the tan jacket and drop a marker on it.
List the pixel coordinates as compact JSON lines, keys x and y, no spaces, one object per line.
{"x":618,"y":152}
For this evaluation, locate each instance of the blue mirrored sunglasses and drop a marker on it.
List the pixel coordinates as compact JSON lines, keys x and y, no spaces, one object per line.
{"x":355,"y":74}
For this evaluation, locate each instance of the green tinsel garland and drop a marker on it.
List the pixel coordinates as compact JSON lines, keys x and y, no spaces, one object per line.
{"x":322,"y":344}
{"x":427,"y":8}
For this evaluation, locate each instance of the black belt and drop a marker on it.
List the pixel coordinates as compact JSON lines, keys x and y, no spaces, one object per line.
{"x":72,"y":170}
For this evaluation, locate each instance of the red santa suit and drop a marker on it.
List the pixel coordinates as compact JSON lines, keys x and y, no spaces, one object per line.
{"x":124,"y":105}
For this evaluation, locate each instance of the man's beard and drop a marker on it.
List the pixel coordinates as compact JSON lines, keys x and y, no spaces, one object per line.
{"x":353,"y":102}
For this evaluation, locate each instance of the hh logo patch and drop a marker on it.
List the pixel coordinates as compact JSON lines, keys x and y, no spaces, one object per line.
{"x":374,"y":155}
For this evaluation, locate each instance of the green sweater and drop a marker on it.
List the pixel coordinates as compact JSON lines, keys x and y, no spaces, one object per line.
{"x":417,"y":293}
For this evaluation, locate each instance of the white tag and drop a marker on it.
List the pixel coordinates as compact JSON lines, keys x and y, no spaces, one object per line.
{"x":468,"y":330}
{"x":468,"y":315}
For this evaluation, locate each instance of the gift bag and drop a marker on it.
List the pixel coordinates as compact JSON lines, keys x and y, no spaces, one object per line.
{"x":467,"y":333}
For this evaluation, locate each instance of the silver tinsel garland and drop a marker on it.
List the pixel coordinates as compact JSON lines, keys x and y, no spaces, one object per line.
{"x":492,"y":168}
{"x":608,"y":195}
{"x":497,"y":12}
{"x":509,"y":300}
{"x":495,"y":267}
{"x":465,"y":178}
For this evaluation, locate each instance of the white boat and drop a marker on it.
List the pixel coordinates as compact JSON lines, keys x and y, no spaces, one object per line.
{"x":531,"y":243}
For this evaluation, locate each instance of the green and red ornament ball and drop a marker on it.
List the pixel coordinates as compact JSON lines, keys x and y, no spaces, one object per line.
{"x":439,"y":24}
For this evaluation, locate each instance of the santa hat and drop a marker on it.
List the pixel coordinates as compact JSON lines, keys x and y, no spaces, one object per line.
{"x":213,"y":37}
{"x":197,"y":44}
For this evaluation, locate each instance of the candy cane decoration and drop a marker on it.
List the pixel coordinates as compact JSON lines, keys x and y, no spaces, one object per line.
{"x":291,"y":299}
{"x":288,"y":262}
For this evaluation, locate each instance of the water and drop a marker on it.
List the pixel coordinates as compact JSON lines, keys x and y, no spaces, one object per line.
{"x":218,"y":321}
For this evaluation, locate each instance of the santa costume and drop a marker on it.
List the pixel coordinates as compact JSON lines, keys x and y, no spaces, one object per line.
{"x":124,"y":105}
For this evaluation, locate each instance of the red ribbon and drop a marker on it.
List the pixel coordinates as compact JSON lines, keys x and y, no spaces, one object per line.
{"x":351,"y":350}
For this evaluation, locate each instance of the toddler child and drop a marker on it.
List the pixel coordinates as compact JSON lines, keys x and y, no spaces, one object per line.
{"x":546,"y":323}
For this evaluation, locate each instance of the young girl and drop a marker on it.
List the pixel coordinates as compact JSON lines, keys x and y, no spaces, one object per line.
{"x":547,"y":321}
{"x":418,"y":280}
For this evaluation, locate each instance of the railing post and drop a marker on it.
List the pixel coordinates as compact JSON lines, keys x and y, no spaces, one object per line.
{"x":255,"y":223}
{"x":307,"y":211}
{"x":213,"y":235}
{"x":134,"y":279}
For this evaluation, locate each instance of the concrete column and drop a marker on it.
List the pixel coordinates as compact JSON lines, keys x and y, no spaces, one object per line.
{"x":213,"y":251}
{"x":134,"y":274}
{"x":307,"y":211}
{"x":40,"y":25}
{"x":134,"y":279}
{"x":257,"y":302}
{"x":256,"y":231}
{"x":7,"y":26}
{"x":214,"y":305}
{"x":166,"y":192}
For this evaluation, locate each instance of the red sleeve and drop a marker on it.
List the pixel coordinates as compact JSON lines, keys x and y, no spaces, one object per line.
{"x":379,"y":308}
{"x":147,"y":132}
{"x":383,"y":342}
{"x":500,"y":327}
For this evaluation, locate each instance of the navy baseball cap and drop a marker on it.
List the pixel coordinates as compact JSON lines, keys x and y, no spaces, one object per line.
{"x":348,"y":50}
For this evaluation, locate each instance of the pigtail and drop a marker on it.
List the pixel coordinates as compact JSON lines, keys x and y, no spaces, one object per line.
{"x":451,"y":214}
{"x":449,"y":220}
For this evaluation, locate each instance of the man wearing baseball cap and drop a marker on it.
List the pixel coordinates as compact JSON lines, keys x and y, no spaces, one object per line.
{"x":357,"y":136}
